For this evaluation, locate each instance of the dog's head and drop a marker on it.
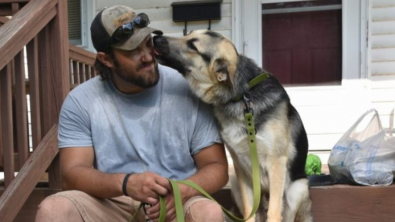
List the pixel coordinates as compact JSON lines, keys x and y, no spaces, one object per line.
{"x":207,"y":60}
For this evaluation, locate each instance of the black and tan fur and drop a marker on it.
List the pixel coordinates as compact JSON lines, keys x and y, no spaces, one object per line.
{"x":217,"y":74}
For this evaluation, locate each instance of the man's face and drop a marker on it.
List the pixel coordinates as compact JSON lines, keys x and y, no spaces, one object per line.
{"x":139,"y":66}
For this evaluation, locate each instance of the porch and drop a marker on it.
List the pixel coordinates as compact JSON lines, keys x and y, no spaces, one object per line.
{"x":37,"y":30}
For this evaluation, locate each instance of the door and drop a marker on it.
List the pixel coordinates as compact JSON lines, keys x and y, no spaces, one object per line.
{"x":303,"y":48}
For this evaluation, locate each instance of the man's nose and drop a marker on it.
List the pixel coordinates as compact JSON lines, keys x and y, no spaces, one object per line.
{"x":148,"y":54}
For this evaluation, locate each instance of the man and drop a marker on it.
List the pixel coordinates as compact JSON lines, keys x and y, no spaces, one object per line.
{"x":121,"y":135}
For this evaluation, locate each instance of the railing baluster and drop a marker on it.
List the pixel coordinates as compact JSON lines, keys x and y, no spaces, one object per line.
{"x":32,"y":61}
{"x":87,"y":71}
{"x":21,"y":109}
{"x":82,"y":71}
{"x":76,"y":73}
{"x":6,"y":124}
{"x":93,"y":71}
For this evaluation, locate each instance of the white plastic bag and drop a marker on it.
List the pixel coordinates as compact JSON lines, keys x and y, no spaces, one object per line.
{"x":366,"y":157}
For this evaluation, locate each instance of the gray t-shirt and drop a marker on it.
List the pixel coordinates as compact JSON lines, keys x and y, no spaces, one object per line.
{"x":158,"y":130}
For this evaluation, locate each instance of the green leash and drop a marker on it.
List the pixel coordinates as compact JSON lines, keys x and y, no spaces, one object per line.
{"x":256,"y":185}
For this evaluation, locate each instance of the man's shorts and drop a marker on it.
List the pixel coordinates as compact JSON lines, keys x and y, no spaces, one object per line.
{"x":116,"y":209}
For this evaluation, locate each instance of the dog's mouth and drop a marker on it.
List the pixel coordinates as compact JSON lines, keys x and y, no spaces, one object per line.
{"x":163,"y":54}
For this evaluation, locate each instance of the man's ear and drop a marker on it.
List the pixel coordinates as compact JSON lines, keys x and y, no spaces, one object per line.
{"x":105,"y":59}
{"x":221,"y":68}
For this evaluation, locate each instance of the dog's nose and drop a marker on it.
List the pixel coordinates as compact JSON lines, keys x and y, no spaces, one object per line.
{"x":161,"y":45}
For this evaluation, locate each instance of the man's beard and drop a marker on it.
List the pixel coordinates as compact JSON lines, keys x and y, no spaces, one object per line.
{"x":137,"y":80}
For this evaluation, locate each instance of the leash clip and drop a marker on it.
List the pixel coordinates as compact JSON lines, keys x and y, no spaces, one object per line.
{"x":248,"y":103}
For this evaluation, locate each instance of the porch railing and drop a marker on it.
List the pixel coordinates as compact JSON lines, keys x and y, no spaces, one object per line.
{"x":35,"y":60}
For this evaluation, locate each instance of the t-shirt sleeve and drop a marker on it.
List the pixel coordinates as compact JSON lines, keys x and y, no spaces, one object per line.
{"x":206,"y":129}
{"x":74,"y":125}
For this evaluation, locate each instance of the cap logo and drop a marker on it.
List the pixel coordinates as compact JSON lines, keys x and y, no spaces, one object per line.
{"x":126,"y":17}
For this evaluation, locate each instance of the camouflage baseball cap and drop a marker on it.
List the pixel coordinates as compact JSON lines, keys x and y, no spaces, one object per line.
{"x":109,"y":20}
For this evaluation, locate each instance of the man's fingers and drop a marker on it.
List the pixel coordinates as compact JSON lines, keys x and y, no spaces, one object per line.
{"x":160,"y":190}
{"x":153,"y":210}
{"x":164,"y":182}
{"x":150,"y":200}
{"x":170,"y":214}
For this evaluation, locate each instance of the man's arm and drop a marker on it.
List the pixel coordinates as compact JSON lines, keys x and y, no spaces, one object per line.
{"x":78,"y":174}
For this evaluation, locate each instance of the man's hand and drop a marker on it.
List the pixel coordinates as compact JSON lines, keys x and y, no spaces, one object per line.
{"x":146,"y":187}
{"x":212,"y":175}
{"x":153,"y":211}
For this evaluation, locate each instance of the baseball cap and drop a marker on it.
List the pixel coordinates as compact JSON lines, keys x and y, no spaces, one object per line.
{"x":108,"y":20}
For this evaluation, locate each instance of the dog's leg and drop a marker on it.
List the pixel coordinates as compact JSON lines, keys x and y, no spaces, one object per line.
{"x":244,"y":194}
{"x":298,"y":201}
{"x":277,"y":179}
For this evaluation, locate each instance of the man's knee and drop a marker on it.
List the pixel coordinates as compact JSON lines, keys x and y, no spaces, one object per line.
{"x":57,"y":208}
{"x":206,"y":210}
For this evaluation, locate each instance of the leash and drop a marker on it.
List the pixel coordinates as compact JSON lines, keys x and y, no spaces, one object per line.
{"x":256,"y":185}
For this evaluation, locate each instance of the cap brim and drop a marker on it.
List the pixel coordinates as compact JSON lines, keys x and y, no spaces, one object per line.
{"x":138,"y":36}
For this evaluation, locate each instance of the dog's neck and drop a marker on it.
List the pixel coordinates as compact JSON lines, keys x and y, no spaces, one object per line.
{"x":255,"y":81}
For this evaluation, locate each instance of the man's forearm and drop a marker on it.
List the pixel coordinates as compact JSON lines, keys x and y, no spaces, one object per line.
{"x":93,"y":182}
{"x":211,"y":178}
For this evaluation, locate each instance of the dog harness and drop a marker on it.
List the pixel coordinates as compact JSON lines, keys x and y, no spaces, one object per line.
{"x":256,"y":185}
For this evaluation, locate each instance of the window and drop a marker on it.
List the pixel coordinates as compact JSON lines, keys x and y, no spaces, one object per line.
{"x":74,"y":15}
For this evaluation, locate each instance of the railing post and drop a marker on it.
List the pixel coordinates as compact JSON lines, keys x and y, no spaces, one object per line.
{"x":59,"y":51}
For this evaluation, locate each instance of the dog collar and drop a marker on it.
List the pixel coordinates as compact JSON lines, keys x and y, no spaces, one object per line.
{"x":255,"y":81}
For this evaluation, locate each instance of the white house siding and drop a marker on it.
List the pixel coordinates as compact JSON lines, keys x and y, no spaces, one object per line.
{"x":382,"y":55}
{"x":383,"y":38}
{"x":161,"y":16}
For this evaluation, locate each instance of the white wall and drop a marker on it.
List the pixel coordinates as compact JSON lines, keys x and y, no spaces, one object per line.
{"x":382,"y":56}
{"x":383,"y":38}
{"x":160,"y":14}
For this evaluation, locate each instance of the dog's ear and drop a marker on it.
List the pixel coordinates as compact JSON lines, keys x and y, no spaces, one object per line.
{"x":221,"y":68}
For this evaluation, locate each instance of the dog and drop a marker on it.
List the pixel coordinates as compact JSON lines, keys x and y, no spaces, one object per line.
{"x":218,"y":74}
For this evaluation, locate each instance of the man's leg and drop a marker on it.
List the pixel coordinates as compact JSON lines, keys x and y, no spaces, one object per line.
{"x":57,"y":208}
{"x":201,"y":209}
{"x":79,"y":206}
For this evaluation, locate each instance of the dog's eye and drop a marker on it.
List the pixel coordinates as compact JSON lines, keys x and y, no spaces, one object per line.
{"x":191,"y":45}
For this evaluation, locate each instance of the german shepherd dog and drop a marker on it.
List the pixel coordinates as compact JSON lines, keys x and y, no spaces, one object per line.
{"x":217,"y":74}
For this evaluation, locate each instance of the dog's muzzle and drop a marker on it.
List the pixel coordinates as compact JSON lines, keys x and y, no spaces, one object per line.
{"x":161,"y":45}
